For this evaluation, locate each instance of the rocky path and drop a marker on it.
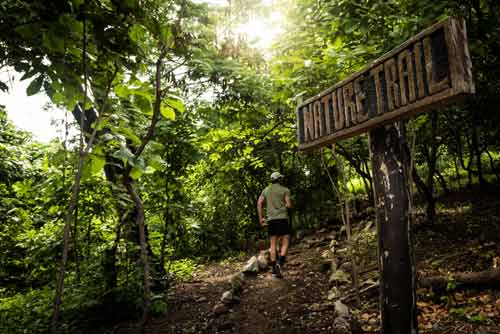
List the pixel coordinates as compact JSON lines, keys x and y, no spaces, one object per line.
{"x":317,"y":274}
{"x":297,"y":303}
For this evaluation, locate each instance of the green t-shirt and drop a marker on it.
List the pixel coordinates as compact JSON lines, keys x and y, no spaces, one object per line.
{"x":275,"y":201}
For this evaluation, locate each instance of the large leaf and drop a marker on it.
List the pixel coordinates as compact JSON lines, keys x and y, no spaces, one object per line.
{"x":137,"y":33}
{"x":29,"y":74}
{"x":157,"y":163}
{"x":175,"y":102}
{"x":138,"y":168}
{"x":122,"y":91}
{"x":143,"y":104}
{"x":34,"y":86}
{"x":124,"y":154}
{"x":128,"y":133}
{"x":97,"y":164}
{"x":136,"y":172}
{"x":165,"y":34}
{"x":167,"y":111}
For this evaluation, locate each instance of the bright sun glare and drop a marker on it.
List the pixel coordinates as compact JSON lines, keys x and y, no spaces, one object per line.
{"x":262,"y":32}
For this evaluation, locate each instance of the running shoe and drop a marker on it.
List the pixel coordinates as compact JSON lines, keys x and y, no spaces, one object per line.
{"x":277,"y":271}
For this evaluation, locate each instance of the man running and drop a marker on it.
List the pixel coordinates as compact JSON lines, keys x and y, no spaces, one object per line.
{"x":276,"y":199}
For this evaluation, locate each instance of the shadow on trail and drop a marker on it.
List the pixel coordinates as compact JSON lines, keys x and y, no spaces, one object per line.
{"x":267,"y":305}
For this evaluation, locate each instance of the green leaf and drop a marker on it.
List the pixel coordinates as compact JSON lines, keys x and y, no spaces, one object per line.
{"x":143,"y":104}
{"x":122,"y":91}
{"x":128,"y":133}
{"x":87,"y":168}
{"x":70,"y":23}
{"x":26,"y":31}
{"x":144,"y":93}
{"x":94,"y":163}
{"x":166,"y":33}
{"x":137,"y":33}
{"x":52,"y":41}
{"x":29,"y":74}
{"x":97,"y":164}
{"x":77,"y":3}
{"x":107,"y":137}
{"x":214,"y":156}
{"x":337,"y":44}
{"x":136,"y":172}
{"x":248,"y":150}
{"x":167,"y":112}
{"x":157,"y":163}
{"x":175,"y":103}
{"x":124,"y":154}
{"x":34,"y":86}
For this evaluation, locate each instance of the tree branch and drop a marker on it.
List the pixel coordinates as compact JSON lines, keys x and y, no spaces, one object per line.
{"x":157,"y":105}
{"x":100,"y":113}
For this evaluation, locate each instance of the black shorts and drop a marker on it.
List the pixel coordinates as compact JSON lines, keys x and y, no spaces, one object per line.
{"x":278,"y":227}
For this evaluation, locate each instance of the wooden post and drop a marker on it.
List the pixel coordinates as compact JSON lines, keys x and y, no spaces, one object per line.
{"x":395,"y":251}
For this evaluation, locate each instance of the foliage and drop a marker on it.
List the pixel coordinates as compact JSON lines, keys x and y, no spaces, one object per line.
{"x":199,"y":140}
{"x":15,"y":318}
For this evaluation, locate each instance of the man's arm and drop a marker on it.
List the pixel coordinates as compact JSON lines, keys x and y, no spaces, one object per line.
{"x":288,"y":201}
{"x":260,"y":205}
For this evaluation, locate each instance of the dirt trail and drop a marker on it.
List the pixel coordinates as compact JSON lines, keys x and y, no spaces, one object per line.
{"x":295,"y":304}
{"x":298,"y":303}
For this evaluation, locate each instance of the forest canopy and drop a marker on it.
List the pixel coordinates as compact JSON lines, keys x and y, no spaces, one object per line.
{"x":180,"y":119}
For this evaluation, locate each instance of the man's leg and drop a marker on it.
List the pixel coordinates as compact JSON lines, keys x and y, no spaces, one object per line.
{"x":279,"y":242}
{"x":275,"y":268}
{"x":273,"y":239}
{"x":285,"y":242}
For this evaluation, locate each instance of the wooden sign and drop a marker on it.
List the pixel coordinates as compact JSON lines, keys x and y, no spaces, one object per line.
{"x":430,"y":69}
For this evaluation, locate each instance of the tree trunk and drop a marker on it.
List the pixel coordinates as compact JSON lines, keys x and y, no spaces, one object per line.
{"x":280,"y":160}
{"x":478,"y":280}
{"x":460,"y":155}
{"x":457,"y":172}
{"x":431,"y":163}
{"x":66,"y":238}
{"x":395,"y":252}
{"x":369,"y":189}
{"x":469,"y":163}
{"x":73,"y":202}
{"x":477,"y":153}
{"x":482,"y":279}
{"x":110,"y":272}
{"x":494,"y":169}
{"x":127,"y":182}
{"x":75,"y":243}
{"x":165,"y":231}
{"x":442,"y":181}
{"x":422,"y":188}
{"x":357,"y":164}
{"x":466,"y":167}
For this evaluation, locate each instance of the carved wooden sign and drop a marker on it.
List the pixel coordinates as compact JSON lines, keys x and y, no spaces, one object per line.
{"x":430,"y":69}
